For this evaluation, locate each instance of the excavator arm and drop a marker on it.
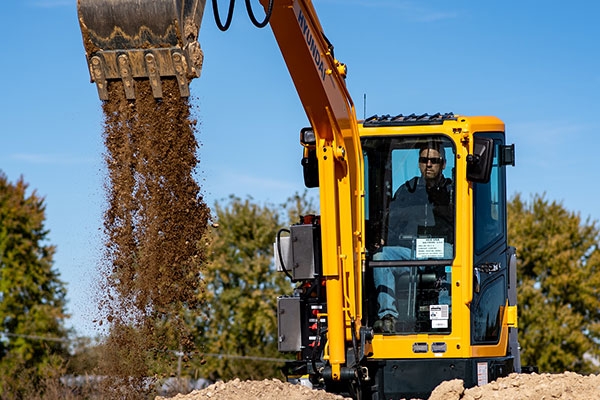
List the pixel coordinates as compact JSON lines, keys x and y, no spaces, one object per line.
{"x":320,"y":82}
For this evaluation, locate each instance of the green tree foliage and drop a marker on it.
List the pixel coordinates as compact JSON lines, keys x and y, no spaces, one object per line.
{"x":32,"y":297}
{"x":240,"y":318}
{"x":558,"y":285}
{"x":298,"y":205}
{"x":242,"y":287}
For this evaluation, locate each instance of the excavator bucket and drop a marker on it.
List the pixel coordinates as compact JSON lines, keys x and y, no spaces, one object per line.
{"x":131,"y":40}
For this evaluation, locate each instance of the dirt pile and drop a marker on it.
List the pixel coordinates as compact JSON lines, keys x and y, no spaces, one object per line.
{"x":564,"y":386}
{"x":153,"y":225}
{"x":253,"y":390}
{"x":568,"y":385}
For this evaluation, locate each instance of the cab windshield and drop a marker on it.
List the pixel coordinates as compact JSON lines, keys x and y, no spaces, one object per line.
{"x":410,"y":231}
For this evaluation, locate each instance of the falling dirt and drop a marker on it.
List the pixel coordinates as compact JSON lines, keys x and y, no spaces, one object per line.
{"x":153,"y":224}
{"x":566,"y":386}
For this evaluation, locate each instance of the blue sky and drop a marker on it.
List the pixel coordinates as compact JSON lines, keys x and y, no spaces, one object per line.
{"x":533,"y":64}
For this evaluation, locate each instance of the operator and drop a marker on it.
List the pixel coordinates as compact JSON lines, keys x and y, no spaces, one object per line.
{"x":421,"y":207}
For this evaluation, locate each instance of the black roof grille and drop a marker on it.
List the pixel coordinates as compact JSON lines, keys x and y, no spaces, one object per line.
{"x":412,"y":119}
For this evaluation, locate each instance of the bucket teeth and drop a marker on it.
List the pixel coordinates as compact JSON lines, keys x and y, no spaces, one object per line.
{"x":153,"y":75}
{"x":126,"y":77}
{"x":131,"y":40}
{"x":180,"y":68}
{"x":98,"y":76}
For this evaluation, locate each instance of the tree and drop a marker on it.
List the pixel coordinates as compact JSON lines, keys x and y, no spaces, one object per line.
{"x":558,"y":285}
{"x":32,"y":297}
{"x":299,"y":204}
{"x":240,"y":317}
{"x":242,"y":287}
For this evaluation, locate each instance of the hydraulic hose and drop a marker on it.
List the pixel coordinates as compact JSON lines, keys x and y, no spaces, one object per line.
{"x":253,"y":18}
{"x":249,"y":10}
{"x":218,"y":17}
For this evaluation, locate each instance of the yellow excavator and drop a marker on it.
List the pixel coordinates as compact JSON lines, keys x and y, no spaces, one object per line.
{"x":405,"y":279}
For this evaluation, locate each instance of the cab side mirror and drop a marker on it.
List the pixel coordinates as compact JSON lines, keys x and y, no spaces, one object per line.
{"x":479,"y":164}
{"x":507,"y":154}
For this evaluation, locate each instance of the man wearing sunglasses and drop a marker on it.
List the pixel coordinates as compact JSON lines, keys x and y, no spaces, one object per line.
{"x":422,"y":207}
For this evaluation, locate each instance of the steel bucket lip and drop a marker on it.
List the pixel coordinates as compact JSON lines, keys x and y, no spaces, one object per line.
{"x":137,"y":24}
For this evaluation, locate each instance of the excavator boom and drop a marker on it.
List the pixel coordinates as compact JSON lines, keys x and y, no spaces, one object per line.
{"x":129,"y":40}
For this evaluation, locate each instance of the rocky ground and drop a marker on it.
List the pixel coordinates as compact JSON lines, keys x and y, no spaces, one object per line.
{"x":564,"y":386}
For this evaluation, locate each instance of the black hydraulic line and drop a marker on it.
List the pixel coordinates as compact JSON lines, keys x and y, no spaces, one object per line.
{"x":283,"y":267}
{"x":227,"y":24}
{"x":253,"y":18}
{"x":218,"y":18}
{"x":354,"y":341}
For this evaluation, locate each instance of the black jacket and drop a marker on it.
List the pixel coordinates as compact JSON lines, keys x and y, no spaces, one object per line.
{"x":416,"y":211}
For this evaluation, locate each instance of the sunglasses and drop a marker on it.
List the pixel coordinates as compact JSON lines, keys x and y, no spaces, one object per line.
{"x":435,"y":160}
